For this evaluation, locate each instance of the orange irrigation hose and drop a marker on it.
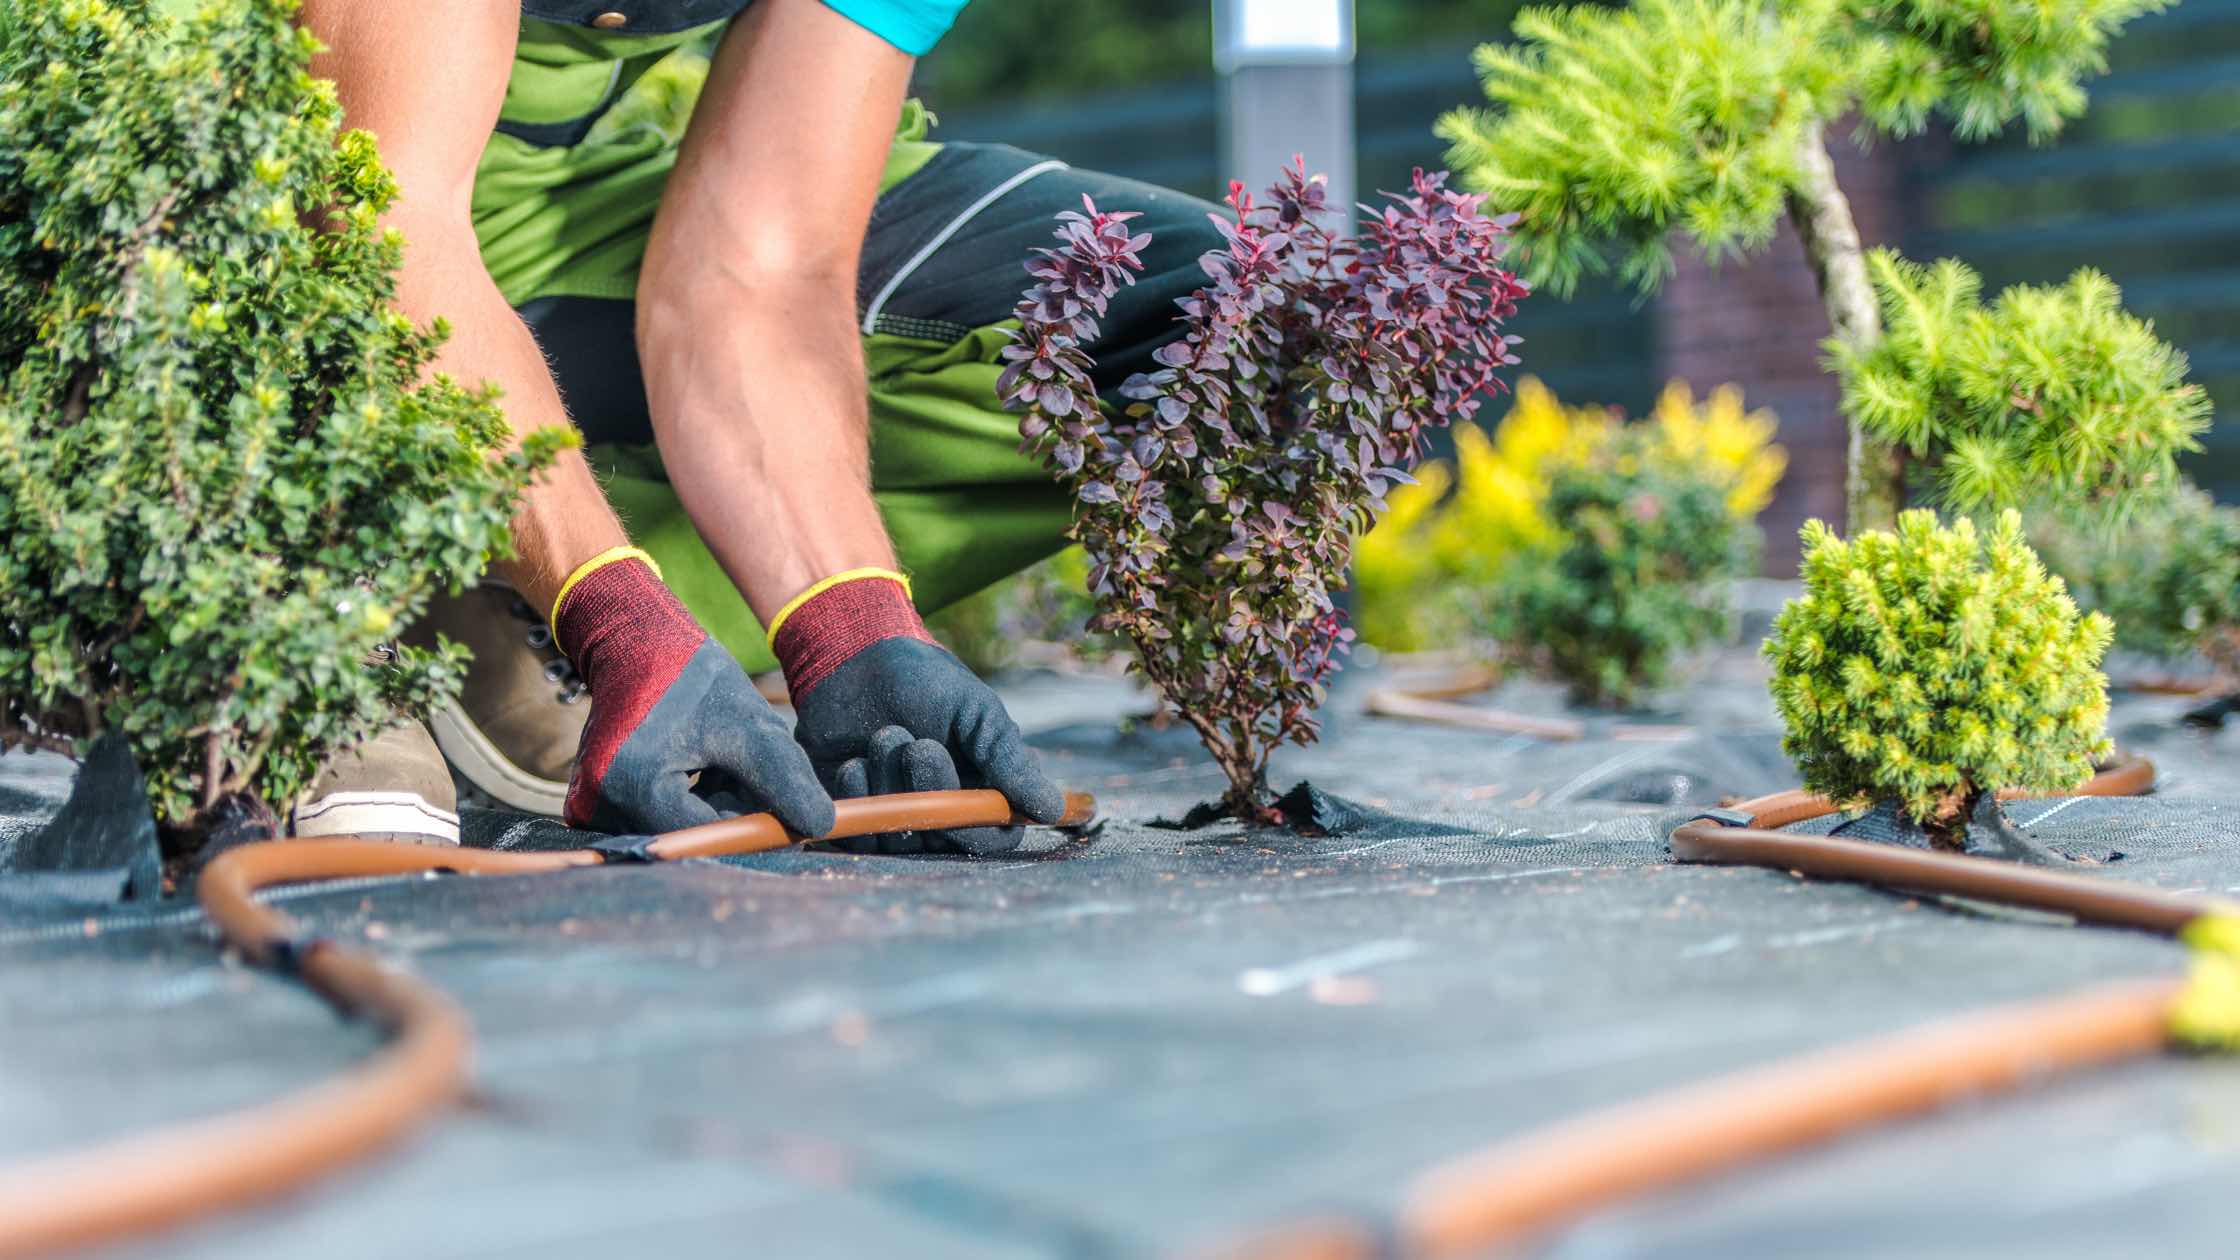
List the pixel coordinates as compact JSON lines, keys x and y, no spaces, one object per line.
{"x":1455,"y":683}
{"x":1396,"y":702}
{"x":145,"y":1182}
{"x":1559,"y":1173}
{"x":2132,"y":776}
{"x":1432,"y":702}
{"x":1542,"y":1180}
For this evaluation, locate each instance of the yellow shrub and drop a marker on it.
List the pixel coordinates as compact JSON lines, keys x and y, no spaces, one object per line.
{"x":1393,"y":563}
{"x":1540,"y":433}
{"x":1720,"y":434}
{"x":1453,"y":531}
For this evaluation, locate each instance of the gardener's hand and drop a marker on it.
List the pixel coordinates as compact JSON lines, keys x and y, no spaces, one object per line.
{"x":882,"y":708}
{"x":669,"y":703}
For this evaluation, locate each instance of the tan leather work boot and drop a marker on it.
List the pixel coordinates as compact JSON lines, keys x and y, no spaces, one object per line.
{"x":513,"y":733}
{"x":393,"y":787}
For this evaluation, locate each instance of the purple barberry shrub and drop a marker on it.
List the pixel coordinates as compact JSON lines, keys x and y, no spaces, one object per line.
{"x":1219,"y":500}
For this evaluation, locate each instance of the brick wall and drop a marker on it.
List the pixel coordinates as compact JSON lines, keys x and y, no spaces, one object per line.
{"x":1758,"y":322}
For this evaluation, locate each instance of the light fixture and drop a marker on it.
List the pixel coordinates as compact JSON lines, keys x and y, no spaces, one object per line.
{"x":1281,"y":33}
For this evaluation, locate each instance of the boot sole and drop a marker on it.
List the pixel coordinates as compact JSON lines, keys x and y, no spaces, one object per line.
{"x":401,"y":816}
{"x":492,"y":773}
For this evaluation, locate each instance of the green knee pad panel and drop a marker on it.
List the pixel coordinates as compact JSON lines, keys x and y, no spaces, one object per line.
{"x":565,"y":192}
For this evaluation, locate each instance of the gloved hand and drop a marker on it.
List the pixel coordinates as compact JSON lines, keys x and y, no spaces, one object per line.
{"x":668,"y":703}
{"x":882,"y":708}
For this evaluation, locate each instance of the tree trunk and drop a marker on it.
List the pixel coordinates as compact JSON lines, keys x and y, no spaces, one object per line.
{"x":1874,"y":483}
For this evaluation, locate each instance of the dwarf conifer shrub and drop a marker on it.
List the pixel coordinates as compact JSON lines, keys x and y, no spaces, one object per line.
{"x":1931,"y":665}
{"x":222,"y":488}
{"x":1218,"y":505}
{"x":1615,"y":129}
{"x":1639,"y":573}
{"x":2051,"y":390}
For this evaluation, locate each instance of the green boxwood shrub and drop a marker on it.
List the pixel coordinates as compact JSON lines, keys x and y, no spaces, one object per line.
{"x":1639,"y":573}
{"x":223,"y":484}
{"x":1931,"y":665}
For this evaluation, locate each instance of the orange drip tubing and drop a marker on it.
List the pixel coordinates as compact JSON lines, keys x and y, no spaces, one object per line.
{"x":1432,"y":701}
{"x":149,"y":1181}
{"x":1518,"y":1190}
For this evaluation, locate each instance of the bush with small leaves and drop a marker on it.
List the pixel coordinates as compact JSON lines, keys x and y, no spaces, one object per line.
{"x":223,"y":488}
{"x":1218,"y":506}
{"x":1930,"y":666}
{"x":1445,"y":537}
{"x":1639,"y":575}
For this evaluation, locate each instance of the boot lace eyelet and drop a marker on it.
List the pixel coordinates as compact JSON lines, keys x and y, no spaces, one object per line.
{"x":557,"y":671}
{"x":540,"y":637}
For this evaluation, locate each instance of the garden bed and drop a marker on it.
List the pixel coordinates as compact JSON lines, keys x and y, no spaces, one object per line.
{"x":1126,"y":1042}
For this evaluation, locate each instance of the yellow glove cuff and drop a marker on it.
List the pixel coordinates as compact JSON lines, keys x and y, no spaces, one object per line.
{"x":612,"y":555}
{"x":850,"y":575}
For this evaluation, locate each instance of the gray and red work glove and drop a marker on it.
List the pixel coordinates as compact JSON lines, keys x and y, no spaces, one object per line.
{"x":882,"y":708}
{"x":668,"y":703}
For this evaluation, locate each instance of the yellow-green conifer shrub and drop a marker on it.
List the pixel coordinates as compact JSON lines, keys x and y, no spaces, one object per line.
{"x":2048,"y":391}
{"x":1930,"y":665}
{"x":224,"y":484}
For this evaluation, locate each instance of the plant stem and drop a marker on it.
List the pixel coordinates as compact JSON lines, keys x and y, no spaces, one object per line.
{"x":213,"y":767}
{"x":1247,"y":795}
{"x":22,"y":737}
{"x":1874,"y":486}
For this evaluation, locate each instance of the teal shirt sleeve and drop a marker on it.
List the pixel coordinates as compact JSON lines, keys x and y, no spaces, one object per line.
{"x":914,"y":26}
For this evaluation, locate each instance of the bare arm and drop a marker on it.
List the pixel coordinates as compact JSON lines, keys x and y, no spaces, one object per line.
{"x":746,"y":304}
{"x":426,"y":77}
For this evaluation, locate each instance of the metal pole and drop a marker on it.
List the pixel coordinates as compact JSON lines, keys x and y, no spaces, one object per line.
{"x":1286,"y":70}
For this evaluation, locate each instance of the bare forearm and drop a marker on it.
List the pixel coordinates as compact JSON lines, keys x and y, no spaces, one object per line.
{"x":426,"y":78}
{"x":564,"y":518}
{"x":746,"y":301}
{"x":757,"y":395}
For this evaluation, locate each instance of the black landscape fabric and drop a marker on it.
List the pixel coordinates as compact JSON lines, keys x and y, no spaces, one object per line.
{"x":97,"y":849}
{"x":1136,"y":1039}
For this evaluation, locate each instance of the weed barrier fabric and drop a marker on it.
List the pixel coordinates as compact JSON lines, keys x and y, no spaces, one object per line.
{"x":98,"y":848}
{"x":1137,"y":1040}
